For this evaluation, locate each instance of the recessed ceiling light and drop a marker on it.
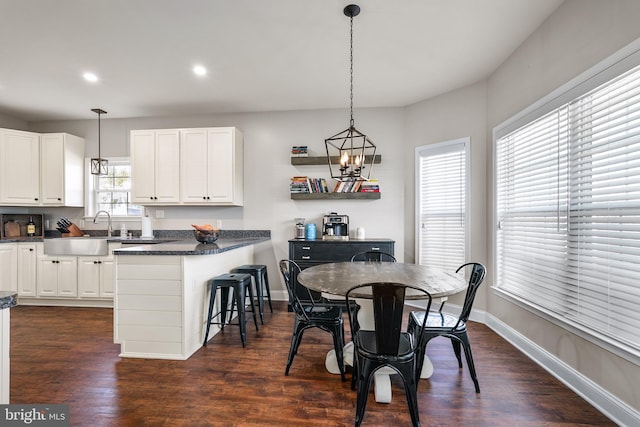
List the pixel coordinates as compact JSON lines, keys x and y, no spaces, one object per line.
{"x":90,"y":77}
{"x":199,"y":70}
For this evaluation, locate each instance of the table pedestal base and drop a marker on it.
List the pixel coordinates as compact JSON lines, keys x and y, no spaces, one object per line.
{"x":381,"y":379}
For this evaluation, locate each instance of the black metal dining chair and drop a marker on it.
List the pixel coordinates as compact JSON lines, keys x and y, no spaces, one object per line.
{"x":386,"y":345}
{"x":373,"y":256}
{"x":445,"y":325}
{"x":312,"y":315}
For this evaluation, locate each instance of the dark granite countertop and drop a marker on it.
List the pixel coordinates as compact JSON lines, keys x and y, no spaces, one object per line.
{"x":7,"y":299}
{"x":191,"y":247}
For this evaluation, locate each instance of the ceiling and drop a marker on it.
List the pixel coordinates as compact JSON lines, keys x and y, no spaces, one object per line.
{"x":269,"y":55}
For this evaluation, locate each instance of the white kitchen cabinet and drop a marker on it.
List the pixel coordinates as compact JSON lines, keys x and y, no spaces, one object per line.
{"x":211,"y":166}
{"x":19,"y":168}
{"x":96,"y":275}
{"x":27,"y":257}
{"x":61,"y":170}
{"x":57,"y":276}
{"x":8,"y":267}
{"x":155,"y":166}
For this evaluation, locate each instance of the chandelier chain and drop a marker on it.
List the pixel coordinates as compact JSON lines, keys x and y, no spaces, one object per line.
{"x":351,"y":72}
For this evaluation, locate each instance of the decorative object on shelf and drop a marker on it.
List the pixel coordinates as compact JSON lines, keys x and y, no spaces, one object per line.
{"x":299,"y":151}
{"x":352,"y":147}
{"x":99,"y":165}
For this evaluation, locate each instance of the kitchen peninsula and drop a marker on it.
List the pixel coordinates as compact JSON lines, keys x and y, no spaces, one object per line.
{"x":161,"y":293}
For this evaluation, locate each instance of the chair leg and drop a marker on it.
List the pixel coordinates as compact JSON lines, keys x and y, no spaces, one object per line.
{"x":253,"y":310}
{"x":211,"y":300}
{"x":237,"y":300}
{"x":293,"y":348}
{"x":257,"y":279}
{"x":410,"y":389}
{"x":338,"y":344}
{"x":456,"y":349}
{"x":464,"y":338}
{"x":365,"y":377}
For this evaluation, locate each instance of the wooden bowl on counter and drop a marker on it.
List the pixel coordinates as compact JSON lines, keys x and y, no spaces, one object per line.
{"x":206,"y":236}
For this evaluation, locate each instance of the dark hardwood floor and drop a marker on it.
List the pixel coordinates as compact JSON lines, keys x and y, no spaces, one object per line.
{"x":67,"y":355}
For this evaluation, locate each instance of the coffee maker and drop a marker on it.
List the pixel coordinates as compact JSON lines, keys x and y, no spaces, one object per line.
{"x":335,"y":227}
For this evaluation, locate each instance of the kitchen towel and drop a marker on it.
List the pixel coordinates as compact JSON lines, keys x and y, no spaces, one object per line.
{"x":147,"y":230}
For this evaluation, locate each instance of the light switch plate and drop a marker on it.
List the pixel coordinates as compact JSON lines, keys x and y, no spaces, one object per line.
{"x":159,"y":213}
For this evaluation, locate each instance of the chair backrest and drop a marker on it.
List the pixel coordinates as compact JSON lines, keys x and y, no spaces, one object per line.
{"x":388,"y":306}
{"x":285,"y":269}
{"x":475,"y":280}
{"x":373,"y":256}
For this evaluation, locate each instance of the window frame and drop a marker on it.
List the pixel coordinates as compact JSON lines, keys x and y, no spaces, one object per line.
{"x":610,"y":68}
{"x":90,"y":207}
{"x":443,"y":147}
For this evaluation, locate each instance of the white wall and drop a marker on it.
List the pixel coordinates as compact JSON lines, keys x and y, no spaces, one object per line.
{"x":454,"y":115}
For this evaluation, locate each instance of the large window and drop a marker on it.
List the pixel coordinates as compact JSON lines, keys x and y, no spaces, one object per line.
{"x":441,"y":201}
{"x":112,"y":192}
{"x":568,"y":210}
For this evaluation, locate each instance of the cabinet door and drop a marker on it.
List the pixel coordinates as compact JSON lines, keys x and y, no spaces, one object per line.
{"x":8,"y":267}
{"x":107,"y":277}
{"x":19,"y":168}
{"x":155,"y":166}
{"x":220,"y":156}
{"x":47,"y":277}
{"x":26,"y":270}
{"x":143,"y":166}
{"x":167,"y":166}
{"x":67,"y":277}
{"x":52,"y":169}
{"x":194,"y":158}
{"x":88,"y":277}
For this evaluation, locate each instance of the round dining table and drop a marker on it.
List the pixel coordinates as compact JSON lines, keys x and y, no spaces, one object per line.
{"x":335,"y":279}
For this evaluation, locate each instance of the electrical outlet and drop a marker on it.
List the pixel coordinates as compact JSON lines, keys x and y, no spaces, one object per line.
{"x":81,"y":223}
{"x":159,"y":213}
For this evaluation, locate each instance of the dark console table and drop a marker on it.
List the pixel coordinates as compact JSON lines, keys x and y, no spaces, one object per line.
{"x":307,"y":253}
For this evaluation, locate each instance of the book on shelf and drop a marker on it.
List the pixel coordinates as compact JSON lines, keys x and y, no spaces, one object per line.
{"x":300,"y":184}
{"x":370,"y":186}
{"x":299,"y":151}
{"x":348,"y":186}
{"x":305,"y":184}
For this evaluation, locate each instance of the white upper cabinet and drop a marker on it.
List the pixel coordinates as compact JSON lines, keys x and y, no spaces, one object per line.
{"x":61,"y":170}
{"x":41,"y":169}
{"x":155,"y":166}
{"x":19,"y":168}
{"x":211,"y":164}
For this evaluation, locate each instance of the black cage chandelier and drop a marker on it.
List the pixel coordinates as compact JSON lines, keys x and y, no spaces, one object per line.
{"x":99,"y":166}
{"x":350,"y":153}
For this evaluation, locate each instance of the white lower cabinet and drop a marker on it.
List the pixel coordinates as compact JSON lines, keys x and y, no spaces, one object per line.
{"x":8,"y":267}
{"x":57,"y":276}
{"x":27,"y":257}
{"x":96,"y":276}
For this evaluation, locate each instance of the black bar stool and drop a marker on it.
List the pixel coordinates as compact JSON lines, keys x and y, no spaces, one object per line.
{"x":240,"y":284}
{"x":261,"y":280}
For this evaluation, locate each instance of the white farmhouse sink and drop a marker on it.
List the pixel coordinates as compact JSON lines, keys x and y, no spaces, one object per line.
{"x":77,"y":246}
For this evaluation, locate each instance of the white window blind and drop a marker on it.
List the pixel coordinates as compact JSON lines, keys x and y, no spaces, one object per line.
{"x":568,"y":207}
{"x":442,"y":204}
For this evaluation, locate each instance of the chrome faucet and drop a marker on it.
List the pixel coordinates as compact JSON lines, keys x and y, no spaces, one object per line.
{"x":95,"y":221}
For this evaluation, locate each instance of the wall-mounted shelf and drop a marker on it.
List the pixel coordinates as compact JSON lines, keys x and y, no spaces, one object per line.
{"x":335,"y":196}
{"x":322,"y":160}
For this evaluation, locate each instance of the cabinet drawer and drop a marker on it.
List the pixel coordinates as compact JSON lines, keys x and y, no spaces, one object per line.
{"x":334,"y":251}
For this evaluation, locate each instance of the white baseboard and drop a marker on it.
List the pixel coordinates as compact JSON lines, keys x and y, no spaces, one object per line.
{"x":612,"y":407}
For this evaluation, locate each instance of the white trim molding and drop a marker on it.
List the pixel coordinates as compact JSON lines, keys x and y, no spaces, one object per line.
{"x":601,"y":399}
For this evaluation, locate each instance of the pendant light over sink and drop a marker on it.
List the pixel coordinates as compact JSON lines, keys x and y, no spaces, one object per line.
{"x":99,"y":165}
{"x":350,"y":153}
